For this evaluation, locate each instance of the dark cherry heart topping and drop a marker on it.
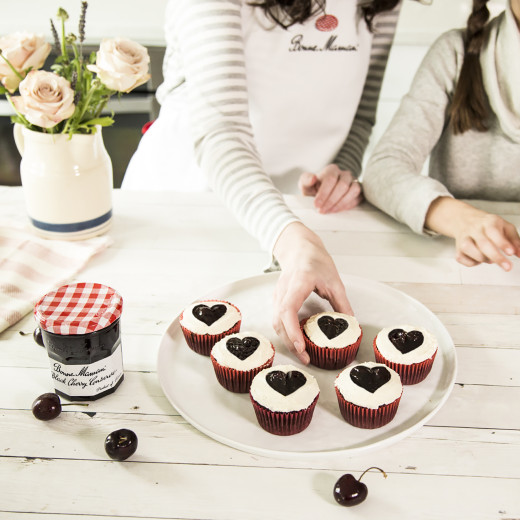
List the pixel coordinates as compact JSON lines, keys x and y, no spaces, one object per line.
{"x":406,"y":341}
{"x":209,"y":315}
{"x":332,"y":327}
{"x":285,"y":383}
{"x":370,"y":378}
{"x":242,"y":348}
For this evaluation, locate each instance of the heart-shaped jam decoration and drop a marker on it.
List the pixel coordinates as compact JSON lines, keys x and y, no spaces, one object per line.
{"x":332,"y":327}
{"x":285,"y":383}
{"x":242,"y":348}
{"x":370,"y":378}
{"x":405,"y":342}
{"x":209,"y":315}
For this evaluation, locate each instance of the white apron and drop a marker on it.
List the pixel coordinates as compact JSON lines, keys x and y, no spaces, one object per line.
{"x":304,"y":86}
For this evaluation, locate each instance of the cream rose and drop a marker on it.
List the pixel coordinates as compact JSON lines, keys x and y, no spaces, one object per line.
{"x":24,"y":51}
{"x":121,"y":64}
{"x":45,"y":98}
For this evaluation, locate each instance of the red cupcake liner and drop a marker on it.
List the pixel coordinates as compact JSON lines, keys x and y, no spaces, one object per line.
{"x":330,"y":358}
{"x":284,"y":423}
{"x":237,"y":381}
{"x":203,"y":343}
{"x":368,"y":418}
{"x":410,"y":374}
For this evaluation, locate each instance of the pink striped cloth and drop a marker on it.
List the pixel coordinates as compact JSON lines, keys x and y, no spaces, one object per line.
{"x":31,"y":266}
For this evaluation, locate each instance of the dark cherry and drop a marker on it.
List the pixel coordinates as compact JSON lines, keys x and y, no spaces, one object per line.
{"x":46,"y":406}
{"x":37,"y":336}
{"x":332,"y":327}
{"x":121,"y":444}
{"x":349,"y":491}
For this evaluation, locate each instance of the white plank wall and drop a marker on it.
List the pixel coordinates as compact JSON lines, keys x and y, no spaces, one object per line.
{"x":463,"y":464}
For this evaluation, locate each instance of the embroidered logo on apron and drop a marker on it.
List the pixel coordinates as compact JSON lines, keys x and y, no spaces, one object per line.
{"x":326,"y":23}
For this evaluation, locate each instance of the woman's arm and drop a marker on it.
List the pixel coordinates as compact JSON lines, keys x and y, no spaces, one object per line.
{"x":350,"y":156}
{"x":208,"y":34}
{"x":392,"y":180}
{"x":479,"y":236}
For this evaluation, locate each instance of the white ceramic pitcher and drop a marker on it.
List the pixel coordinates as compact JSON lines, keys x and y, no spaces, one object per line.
{"x":67,"y":183}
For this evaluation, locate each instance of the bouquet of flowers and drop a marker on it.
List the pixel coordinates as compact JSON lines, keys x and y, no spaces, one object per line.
{"x":71,"y":98}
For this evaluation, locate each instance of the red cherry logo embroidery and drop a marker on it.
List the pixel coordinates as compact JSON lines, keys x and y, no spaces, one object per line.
{"x":327,"y":22}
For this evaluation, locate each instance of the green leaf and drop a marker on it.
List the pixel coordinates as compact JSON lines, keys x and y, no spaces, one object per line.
{"x":102,"y":121}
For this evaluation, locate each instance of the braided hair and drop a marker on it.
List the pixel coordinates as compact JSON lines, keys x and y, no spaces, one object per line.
{"x":469,"y":108}
{"x":289,"y":12}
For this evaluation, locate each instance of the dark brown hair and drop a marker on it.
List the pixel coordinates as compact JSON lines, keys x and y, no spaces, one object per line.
{"x":469,"y":108}
{"x":289,"y":12}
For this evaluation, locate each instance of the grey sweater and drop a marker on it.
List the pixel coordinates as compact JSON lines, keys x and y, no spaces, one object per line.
{"x":472,"y":165}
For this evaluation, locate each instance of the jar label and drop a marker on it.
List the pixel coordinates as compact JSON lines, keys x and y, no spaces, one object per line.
{"x":91,"y":379}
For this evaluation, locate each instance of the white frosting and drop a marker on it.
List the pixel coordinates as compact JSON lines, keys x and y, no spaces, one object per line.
{"x":224,"y":323}
{"x":268,"y":397}
{"x":259,"y":357}
{"x":347,"y":337}
{"x":357,"y":395}
{"x":421,"y":353}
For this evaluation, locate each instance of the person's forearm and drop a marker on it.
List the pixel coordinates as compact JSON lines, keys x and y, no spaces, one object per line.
{"x":290,"y":241}
{"x":447,"y":216}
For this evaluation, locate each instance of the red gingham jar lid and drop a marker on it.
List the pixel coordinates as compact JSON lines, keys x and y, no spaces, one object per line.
{"x":78,"y":308}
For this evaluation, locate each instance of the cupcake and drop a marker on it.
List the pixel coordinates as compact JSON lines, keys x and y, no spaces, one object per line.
{"x":284,"y":398}
{"x":206,"y":322}
{"x":331,"y":339}
{"x":237,"y":358}
{"x":408,"y":350}
{"x":368,"y":394}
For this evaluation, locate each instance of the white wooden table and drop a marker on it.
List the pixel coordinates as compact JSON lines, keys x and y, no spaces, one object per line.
{"x":168,"y":249}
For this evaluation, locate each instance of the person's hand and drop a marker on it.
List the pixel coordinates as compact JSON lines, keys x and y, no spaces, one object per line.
{"x":480,"y":237}
{"x":306,"y":267}
{"x":333,"y":189}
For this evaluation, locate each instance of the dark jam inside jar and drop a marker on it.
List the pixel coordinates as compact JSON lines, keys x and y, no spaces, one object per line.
{"x":88,"y":366}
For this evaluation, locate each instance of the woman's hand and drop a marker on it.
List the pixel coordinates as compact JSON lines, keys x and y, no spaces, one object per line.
{"x":334,"y":189}
{"x":480,"y":237}
{"x":306,"y":267}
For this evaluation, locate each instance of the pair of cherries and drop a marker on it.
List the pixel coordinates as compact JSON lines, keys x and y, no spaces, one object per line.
{"x":119,"y":445}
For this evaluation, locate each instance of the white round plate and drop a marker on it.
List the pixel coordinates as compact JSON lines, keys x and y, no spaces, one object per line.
{"x":189,"y":382}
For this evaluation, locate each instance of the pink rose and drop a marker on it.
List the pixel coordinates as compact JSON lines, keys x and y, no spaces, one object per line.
{"x":45,"y":99}
{"x":121,"y":64}
{"x":24,"y":51}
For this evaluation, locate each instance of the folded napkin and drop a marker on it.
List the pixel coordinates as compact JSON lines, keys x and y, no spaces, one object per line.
{"x":31,"y":266}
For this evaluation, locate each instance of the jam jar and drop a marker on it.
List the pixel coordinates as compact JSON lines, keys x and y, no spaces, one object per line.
{"x":81,"y":332}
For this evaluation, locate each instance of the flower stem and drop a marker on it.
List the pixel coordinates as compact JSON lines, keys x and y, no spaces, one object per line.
{"x":63,"y":42}
{"x":11,"y":66}
{"x":19,"y":114}
{"x":80,"y":115}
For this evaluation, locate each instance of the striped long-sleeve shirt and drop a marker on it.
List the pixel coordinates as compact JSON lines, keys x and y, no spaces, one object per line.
{"x":261,"y":104}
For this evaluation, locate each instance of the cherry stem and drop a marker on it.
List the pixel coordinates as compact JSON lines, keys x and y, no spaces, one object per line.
{"x":373,"y":467}
{"x":74,"y":404}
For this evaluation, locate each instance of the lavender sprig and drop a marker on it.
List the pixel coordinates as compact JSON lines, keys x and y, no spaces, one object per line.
{"x":56,"y":38}
{"x":74,"y":80}
{"x":82,"y":19}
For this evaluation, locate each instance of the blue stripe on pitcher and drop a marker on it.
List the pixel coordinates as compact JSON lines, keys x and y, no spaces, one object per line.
{"x":74,"y":226}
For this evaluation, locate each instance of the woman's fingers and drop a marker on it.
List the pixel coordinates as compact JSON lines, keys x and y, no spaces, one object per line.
{"x":328,"y":185}
{"x":308,"y":184}
{"x":352,"y":198}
